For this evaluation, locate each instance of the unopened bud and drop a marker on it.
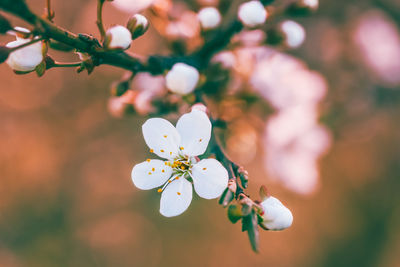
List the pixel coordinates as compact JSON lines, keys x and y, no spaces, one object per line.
{"x":182,"y":78}
{"x":209,"y":17}
{"x":252,"y":13}
{"x":294,"y":33}
{"x":118,"y":37}
{"x":137,"y":25}
{"x":275,"y":215}
{"x":5,"y":25}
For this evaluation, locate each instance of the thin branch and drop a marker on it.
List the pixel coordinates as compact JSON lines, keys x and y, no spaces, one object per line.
{"x":99,"y":22}
{"x":66,"y":64}
{"x":50,"y":13}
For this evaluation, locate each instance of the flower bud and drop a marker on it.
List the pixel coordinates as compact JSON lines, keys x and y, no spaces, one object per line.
{"x":294,"y":34}
{"x":5,"y":25}
{"x":118,"y":37}
{"x":276,"y":216}
{"x":137,"y":25}
{"x":209,"y":17}
{"x":26,"y":58}
{"x":252,"y":13}
{"x":182,"y":78}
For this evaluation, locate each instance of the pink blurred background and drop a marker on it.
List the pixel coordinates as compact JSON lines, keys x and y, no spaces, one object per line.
{"x":66,"y":196}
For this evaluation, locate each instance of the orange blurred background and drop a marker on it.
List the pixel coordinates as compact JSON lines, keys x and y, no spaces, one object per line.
{"x":66,"y":196}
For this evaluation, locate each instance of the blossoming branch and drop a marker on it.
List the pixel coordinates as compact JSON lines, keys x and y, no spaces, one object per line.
{"x":193,"y":153}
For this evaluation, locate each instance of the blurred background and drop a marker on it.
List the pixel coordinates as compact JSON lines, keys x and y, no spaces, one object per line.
{"x":332,"y":156}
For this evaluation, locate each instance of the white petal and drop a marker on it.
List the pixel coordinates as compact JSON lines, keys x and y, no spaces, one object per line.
{"x":276,"y":215}
{"x":195,"y":131}
{"x":210,"y":178}
{"x":162,"y":137}
{"x":176,"y":198}
{"x":150,"y":174}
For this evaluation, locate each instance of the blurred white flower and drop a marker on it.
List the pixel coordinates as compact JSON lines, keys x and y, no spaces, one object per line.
{"x":286,"y":82}
{"x":312,"y":4}
{"x":182,"y":79}
{"x":276,"y":216}
{"x":294,"y":33}
{"x":118,"y":37}
{"x":26,"y":58}
{"x":132,"y":6}
{"x":180,"y":146}
{"x":148,"y":87}
{"x":378,"y":40}
{"x":252,"y":13}
{"x":209,"y":17}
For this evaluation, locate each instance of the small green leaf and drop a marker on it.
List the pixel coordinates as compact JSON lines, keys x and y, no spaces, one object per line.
{"x":250,"y":224}
{"x":234,"y":213}
{"x":41,"y":69}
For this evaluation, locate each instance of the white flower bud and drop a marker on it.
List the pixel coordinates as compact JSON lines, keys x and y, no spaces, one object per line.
{"x":294,"y":33}
{"x":209,"y":17}
{"x":276,"y":216}
{"x":182,"y":78}
{"x":252,"y":13}
{"x":118,"y":37}
{"x":132,"y":6}
{"x":137,"y":25}
{"x":26,"y":58}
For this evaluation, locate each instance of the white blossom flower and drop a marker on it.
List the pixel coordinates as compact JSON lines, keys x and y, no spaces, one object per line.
{"x":26,"y":58}
{"x":118,"y":37}
{"x":252,"y":13}
{"x":294,"y":33}
{"x":180,"y":147}
{"x":182,"y":78}
{"x":209,"y":17}
{"x":276,"y":216}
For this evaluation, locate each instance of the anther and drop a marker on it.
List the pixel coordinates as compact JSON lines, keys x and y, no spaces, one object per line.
{"x":153,"y":169}
{"x":148,"y":160}
{"x":159,"y":190}
{"x":200,"y":140}
{"x":165,"y":136}
{"x":162,"y":171}
{"x":149,"y":173}
{"x":151,"y":150}
{"x":162,"y":150}
{"x":181,"y":148}
{"x":204,"y":169}
{"x":179,"y":193}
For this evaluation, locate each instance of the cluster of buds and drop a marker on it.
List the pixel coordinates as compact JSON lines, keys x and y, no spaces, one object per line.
{"x":119,"y":37}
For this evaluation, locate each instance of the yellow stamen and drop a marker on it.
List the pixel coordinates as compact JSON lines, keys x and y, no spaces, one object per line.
{"x":177,"y":178}
{"x":149,"y":173}
{"x":170,"y":153}
{"x":204,"y":169}
{"x":169,"y":181}
{"x":166,"y":163}
{"x":151,"y":150}
{"x":148,"y":160}
{"x":200,"y":140}
{"x":165,"y":136}
{"x":178,"y":193}
{"x":162,"y":171}
{"x":181,"y":148}
{"x":182,"y":167}
{"x":153,"y":169}
{"x":159,"y":190}
{"x":162,"y":150}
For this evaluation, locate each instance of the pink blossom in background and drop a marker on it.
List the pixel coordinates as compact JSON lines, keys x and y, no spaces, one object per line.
{"x":378,"y":40}
{"x":132,"y":6}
